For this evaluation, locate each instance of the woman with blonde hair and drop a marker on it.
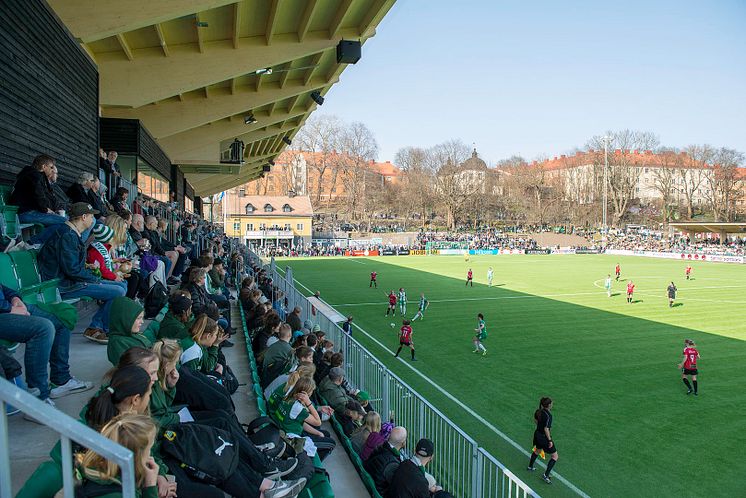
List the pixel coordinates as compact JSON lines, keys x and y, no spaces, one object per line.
{"x":371,"y":423}
{"x":136,"y":433}
{"x":110,"y":253}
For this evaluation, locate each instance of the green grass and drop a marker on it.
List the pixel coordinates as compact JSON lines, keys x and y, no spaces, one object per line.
{"x":622,"y":421}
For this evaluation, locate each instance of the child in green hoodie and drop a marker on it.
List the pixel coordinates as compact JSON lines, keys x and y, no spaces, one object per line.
{"x":201,"y":351}
{"x":125,"y":322}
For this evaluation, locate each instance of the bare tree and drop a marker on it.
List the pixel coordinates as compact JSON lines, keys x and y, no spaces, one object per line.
{"x":665,"y":178}
{"x":453,"y":185}
{"x":359,"y":149}
{"x":623,"y":174}
{"x":416,"y":192}
{"x":319,"y":140}
{"x":695,"y":177}
{"x":724,"y":184}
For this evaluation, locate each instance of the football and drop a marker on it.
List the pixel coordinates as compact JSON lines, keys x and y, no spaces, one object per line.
{"x":393,"y":325}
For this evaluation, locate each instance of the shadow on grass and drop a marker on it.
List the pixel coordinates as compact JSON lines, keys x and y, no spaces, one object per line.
{"x":610,"y":374}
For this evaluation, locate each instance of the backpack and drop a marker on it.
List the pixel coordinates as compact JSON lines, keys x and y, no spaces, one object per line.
{"x":264,"y":433}
{"x":207,"y":454}
{"x":92,"y":489}
{"x":228,"y":379}
{"x":155,"y":300}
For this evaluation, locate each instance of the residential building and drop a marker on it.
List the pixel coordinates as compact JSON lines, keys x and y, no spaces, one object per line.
{"x":261,"y":220}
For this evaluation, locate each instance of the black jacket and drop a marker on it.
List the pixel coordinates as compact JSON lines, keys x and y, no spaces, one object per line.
{"x":408,"y":482}
{"x":155,"y":242}
{"x":31,"y":192}
{"x":60,"y":197}
{"x":77,"y":193}
{"x":200,"y":300}
{"x":382,"y":465}
{"x":97,"y":202}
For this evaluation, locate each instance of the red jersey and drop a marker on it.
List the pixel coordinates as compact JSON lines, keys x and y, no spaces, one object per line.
{"x":688,"y":270}
{"x":468,"y":275}
{"x":630,"y":288}
{"x":373,"y":275}
{"x":617,"y":269}
{"x":691,"y":355}
{"x":405,"y":334}
{"x":392,"y":299}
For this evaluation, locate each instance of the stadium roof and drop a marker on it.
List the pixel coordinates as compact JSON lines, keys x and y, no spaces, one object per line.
{"x":188,"y":70}
{"x":710,"y":227}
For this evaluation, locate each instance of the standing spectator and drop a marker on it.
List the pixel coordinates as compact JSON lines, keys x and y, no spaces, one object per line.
{"x":113,"y":173}
{"x":347,"y":326}
{"x":409,"y":480}
{"x":63,"y":256}
{"x":32,"y":194}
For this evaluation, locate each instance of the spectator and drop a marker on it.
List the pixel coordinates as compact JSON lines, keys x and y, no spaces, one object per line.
{"x":60,"y":197}
{"x":150,"y":232}
{"x":294,"y":320}
{"x":47,"y":341}
{"x":371,"y":424}
{"x":121,"y":255}
{"x":63,"y":256}
{"x":385,"y":460}
{"x":376,"y":439}
{"x":278,"y":357}
{"x":334,"y":394}
{"x":178,"y":319}
{"x":126,"y":320}
{"x":96,"y":198}
{"x":78,"y":191}
{"x":171,"y":249}
{"x":112,"y":171}
{"x":409,"y":480}
{"x":32,"y":194}
{"x":217,"y":278}
{"x":347,"y":326}
{"x":99,"y":255}
{"x":201,"y":302}
{"x":119,"y":201}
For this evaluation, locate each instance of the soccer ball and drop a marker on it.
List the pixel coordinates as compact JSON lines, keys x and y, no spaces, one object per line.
{"x":393,"y":325}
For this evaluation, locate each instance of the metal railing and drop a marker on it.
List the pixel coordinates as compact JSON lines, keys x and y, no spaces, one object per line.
{"x":461,"y":465}
{"x":69,"y":430}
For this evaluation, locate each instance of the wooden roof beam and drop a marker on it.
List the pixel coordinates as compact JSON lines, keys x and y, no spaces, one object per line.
{"x":161,"y":38}
{"x":305,"y":21}
{"x":373,"y":17}
{"x":125,"y":46}
{"x":314,"y":62}
{"x":272,"y":21}
{"x":236,"y":24}
{"x":342,"y":12}
{"x":198,"y":30}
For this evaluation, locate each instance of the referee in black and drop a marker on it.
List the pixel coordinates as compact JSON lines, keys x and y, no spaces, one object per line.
{"x":543,"y":438}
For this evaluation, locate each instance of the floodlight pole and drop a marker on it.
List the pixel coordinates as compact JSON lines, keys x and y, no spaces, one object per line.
{"x":606,"y":139}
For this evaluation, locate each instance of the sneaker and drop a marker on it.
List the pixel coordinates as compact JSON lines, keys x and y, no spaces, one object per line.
{"x":689,"y":392}
{"x":34,"y":391}
{"x":28,"y":417}
{"x":279,"y":468}
{"x":695,"y":393}
{"x":530,"y":469}
{"x":414,"y":359}
{"x":96,"y":335}
{"x":286,"y":489}
{"x":546,"y":478}
{"x":71,"y":386}
{"x":227,"y":344}
{"x":475,"y":351}
{"x":485,"y":353}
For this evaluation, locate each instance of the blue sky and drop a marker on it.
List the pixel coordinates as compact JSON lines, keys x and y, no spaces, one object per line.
{"x":541,"y":77}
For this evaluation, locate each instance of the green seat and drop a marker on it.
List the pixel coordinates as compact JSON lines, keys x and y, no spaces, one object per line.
{"x":8,"y":275}
{"x":5,"y":191}
{"x":9,"y":224}
{"x":9,"y":346}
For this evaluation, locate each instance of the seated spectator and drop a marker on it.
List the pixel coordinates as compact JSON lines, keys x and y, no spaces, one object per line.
{"x":63,"y":256}
{"x":96,"y":199}
{"x":47,"y":342}
{"x":119,"y":201}
{"x":410,"y":479}
{"x":334,"y":394}
{"x":217,"y":278}
{"x":33,"y":196}
{"x":127,"y":317}
{"x":201,"y":303}
{"x":201,"y":352}
{"x":277,"y":358}
{"x":376,"y":439}
{"x":385,"y":460}
{"x":294,"y":320}
{"x":99,"y":256}
{"x":178,"y":320}
{"x":172,"y":247}
{"x":78,"y":191}
{"x":123,"y":256}
{"x":62,"y":201}
{"x":150,"y":232}
{"x":371,"y":423}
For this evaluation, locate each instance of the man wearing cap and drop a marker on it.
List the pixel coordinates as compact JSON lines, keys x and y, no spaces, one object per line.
{"x":410,"y":480}
{"x":385,"y":460}
{"x":63,"y":256}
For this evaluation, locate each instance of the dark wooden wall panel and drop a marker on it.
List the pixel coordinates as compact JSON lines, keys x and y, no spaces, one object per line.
{"x":152,"y":153}
{"x":177,"y":184}
{"x":48,"y":93}
{"x":120,"y":135}
{"x":188,"y":190}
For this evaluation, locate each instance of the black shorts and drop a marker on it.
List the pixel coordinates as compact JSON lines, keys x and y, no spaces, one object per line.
{"x":405,"y":343}
{"x":689,"y":371}
{"x":542,"y":443}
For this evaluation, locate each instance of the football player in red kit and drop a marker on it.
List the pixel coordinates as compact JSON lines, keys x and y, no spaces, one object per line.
{"x":618,"y":271}
{"x":469,"y":276}
{"x":630,"y":290}
{"x":689,"y":366}
{"x":405,"y":339}
{"x":392,"y":304}
{"x":373,"y":282}
{"x":688,"y":271}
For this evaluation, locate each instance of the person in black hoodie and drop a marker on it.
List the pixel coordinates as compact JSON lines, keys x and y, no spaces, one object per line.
{"x":95,"y":199}
{"x":33,"y":196}
{"x":78,"y":191}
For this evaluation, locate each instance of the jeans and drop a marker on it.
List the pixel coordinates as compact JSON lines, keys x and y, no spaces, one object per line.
{"x":49,"y":220}
{"x":38,"y":334}
{"x":59,"y":364}
{"x":101,"y":291}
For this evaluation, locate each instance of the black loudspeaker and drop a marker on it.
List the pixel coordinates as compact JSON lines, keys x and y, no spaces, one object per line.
{"x":266,"y":168}
{"x":348,"y":52}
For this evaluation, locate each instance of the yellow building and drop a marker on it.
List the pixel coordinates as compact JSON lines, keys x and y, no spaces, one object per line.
{"x":263,"y":220}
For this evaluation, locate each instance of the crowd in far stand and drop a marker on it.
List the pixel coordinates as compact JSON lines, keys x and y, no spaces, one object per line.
{"x":659,"y":242}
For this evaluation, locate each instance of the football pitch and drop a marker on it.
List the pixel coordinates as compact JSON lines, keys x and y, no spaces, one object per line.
{"x":622,"y":422}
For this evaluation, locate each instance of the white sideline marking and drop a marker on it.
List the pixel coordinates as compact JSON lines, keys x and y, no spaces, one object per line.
{"x":464,"y":407}
{"x":678,"y":298}
{"x":526,"y":296}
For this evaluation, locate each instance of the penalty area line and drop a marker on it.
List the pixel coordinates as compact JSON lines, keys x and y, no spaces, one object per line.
{"x":468,"y":410}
